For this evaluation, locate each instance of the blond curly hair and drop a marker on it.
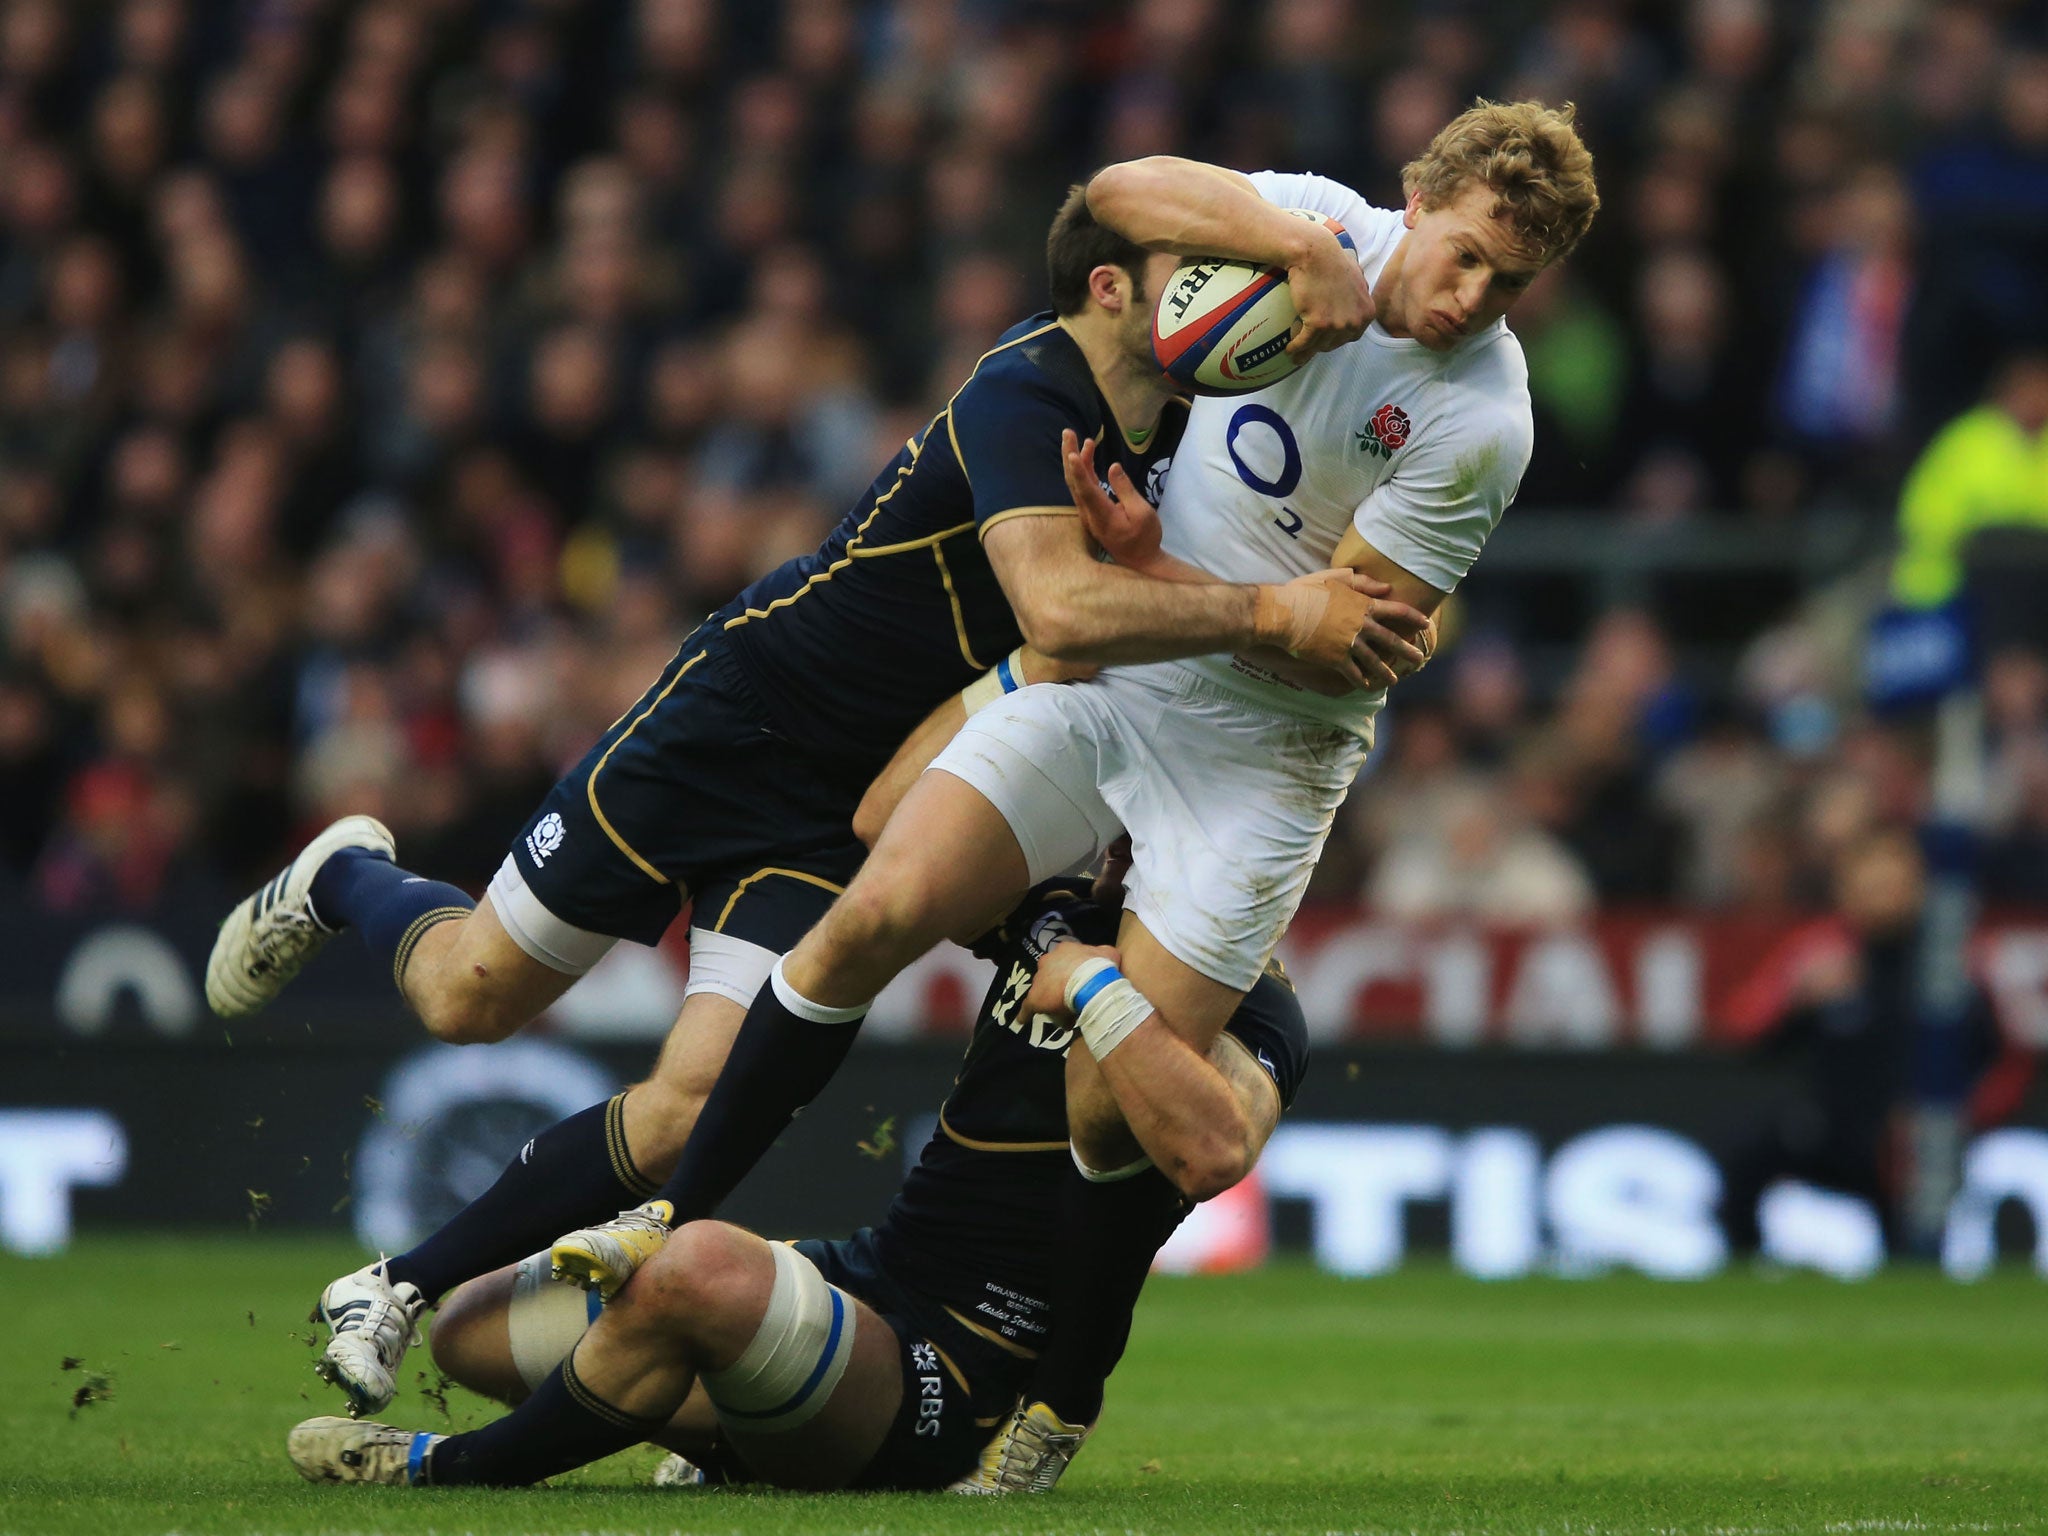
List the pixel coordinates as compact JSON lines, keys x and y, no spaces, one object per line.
{"x":1530,"y":155}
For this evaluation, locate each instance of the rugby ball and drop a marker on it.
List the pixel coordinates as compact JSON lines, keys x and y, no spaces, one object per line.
{"x":1222,"y":327}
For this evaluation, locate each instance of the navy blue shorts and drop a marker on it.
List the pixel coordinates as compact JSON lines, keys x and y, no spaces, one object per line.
{"x":691,"y":791}
{"x":957,"y":1387}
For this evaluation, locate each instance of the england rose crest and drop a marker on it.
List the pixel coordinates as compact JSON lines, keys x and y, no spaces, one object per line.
{"x":1385,"y":433}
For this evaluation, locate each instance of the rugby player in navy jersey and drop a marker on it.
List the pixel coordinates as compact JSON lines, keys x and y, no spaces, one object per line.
{"x":733,"y":782}
{"x":881,"y":1361}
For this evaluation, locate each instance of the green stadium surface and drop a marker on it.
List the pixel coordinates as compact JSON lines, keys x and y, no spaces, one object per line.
{"x":1278,"y":1402}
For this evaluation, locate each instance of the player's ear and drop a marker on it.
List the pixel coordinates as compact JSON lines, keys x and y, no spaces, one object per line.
{"x":1109,"y":286}
{"x":1414,"y":208}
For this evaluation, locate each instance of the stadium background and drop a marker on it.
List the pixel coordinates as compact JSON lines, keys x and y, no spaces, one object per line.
{"x":385,"y":387}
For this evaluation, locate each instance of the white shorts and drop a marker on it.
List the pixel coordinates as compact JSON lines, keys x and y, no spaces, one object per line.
{"x":1227,"y":805}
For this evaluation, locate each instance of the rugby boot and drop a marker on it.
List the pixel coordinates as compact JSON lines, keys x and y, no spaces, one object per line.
{"x":271,"y":935}
{"x":331,"y":1450}
{"x":678,"y":1472}
{"x":602,"y":1258}
{"x":373,"y":1323}
{"x":1028,"y":1454}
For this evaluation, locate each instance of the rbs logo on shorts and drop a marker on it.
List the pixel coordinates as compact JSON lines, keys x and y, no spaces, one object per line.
{"x":931,"y":1387}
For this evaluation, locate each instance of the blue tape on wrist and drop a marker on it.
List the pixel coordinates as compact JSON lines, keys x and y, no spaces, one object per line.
{"x":416,"y":1455}
{"x":1094,"y":985}
{"x":1006,"y":677}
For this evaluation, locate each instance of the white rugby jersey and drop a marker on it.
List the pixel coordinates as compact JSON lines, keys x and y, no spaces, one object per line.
{"x":1420,"y":450}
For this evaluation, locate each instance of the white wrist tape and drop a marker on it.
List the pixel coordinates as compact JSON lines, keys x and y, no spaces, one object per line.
{"x":1092,"y":1175}
{"x":1006,"y":676}
{"x":1106,"y":1006}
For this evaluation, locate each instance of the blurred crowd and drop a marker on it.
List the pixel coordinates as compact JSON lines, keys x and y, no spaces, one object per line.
{"x":1638,"y":786}
{"x":385,"y":385}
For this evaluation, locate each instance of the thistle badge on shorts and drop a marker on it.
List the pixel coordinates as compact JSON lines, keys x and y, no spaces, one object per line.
{"x":547,"y":837}
{"x":1385,"y":434}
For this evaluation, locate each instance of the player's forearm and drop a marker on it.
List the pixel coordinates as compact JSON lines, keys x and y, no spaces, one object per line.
{"x":1161,"y":566}
{"x":1354,"y":554}
{"x":1165,"y":203}
{"x":1108,"y":615}
{"x":1181,"y":1109}
{"x":1132,"y":1073}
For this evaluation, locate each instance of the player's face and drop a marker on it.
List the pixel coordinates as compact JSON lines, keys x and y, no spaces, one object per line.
{"x":1138,"y":303}
{"x":1457,"y":271}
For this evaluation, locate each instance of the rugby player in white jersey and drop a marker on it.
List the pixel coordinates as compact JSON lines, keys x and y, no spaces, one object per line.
{"x":1395,"y":456}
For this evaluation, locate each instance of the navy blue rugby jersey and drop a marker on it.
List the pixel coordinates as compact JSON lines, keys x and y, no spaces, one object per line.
{"x":974,"y":1225}
{"x":851,"y":647}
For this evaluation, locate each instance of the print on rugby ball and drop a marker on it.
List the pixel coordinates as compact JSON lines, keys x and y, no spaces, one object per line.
{"x":1222,"y":327}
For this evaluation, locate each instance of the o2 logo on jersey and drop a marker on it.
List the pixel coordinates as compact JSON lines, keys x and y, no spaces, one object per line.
{"x":1263,"y":433}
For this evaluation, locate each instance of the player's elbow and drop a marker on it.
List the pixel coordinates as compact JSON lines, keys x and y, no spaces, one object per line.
{"x":1211,"y":1164}
{"x":1112,"y":184}
{"x":1057,"y":627}
{"x":1117,"y":192}
{"x":1206,"y":1178}
{"x":1073,"y":647}
{"x":1049,"y":627}
{"x":871,"y":816}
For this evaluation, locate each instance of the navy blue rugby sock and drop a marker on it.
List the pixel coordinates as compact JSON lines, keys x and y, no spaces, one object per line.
{"x":569,"y":1176}
{"x":563,"y":1425}
{"x":785,"y":1053}
{"x":392,"y":907}
{"x":1109,"y":1232}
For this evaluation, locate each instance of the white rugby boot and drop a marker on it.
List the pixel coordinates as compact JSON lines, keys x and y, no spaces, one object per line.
{"x":270,"y":936}
{"x":373,"y":1323}
{"x":1028,"y":1454}
{"x":331,"y":1450}
{"x":602,"y":1258}
{"x":678,"y":1471}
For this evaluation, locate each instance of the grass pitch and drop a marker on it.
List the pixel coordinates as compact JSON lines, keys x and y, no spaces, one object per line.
{"x":1284,"y":1401}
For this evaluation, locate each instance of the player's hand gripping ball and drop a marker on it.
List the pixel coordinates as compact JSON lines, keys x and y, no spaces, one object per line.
{"x":1223,"y":327}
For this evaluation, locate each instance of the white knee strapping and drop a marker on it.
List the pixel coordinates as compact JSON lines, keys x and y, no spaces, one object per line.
{"x":546,"y":1319}
{"x":731,"y":968}
{"x":796,"y":1358}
